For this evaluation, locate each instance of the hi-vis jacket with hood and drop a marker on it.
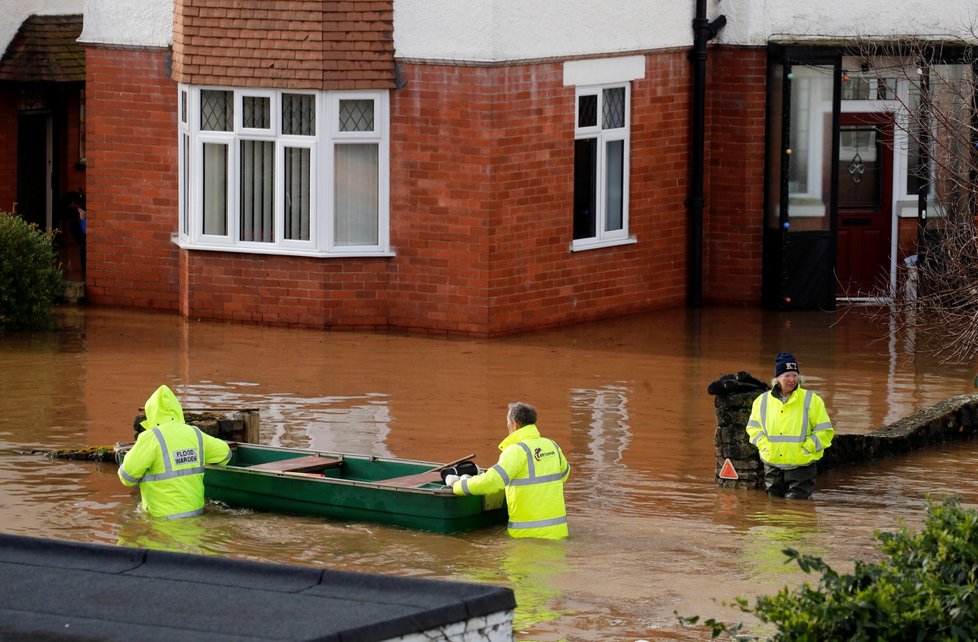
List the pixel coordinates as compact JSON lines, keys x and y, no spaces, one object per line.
{"x":167,"y":460}
{"x":533,"y":470}
{"x":790,"y":434}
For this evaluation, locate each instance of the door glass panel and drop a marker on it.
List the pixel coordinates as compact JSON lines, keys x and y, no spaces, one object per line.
{"x":809,"y":140}
{"x":859,"y":168}
{"x":772,"y":217}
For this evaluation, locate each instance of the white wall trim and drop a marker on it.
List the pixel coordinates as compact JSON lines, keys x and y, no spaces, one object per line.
{"x":603,"y":71}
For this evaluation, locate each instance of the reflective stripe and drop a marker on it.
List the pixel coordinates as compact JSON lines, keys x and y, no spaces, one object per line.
{"x":128,"y":477}
{"x":465,"y":486}
{"x":168,"y":472}
{"x":174,"y":474}
{"x":502,"y":473}
{"x":531,"y":477}
{"x":791,"y":439}
{"x":754,"y":423}
{"x":538,"y":523}
{"x":818,"y":442}
{"x":189,"y":513}
{"x":543,"y":479}
{"x":786,"y":439}
{"x":764,"y":412}
{"x":530,"y":467}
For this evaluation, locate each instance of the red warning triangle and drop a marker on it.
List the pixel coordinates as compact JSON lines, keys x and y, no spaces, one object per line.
{"x":727,"y":471}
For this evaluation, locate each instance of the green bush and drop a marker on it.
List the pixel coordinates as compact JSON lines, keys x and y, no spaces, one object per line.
{"x":30,"y":275}
{"x":926,"y":588}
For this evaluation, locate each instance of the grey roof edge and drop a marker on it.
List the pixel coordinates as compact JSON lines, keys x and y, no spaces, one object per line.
{"x":424,"y":604}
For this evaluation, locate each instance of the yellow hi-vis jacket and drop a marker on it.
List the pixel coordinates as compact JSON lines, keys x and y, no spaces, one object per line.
{"x":790,"y":434}
{"x":533,"y":471}
{"x":167,"y":460}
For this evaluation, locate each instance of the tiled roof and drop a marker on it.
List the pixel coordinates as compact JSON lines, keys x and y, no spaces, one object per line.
{"x":298,"y":44}
{"x":45,"y":49}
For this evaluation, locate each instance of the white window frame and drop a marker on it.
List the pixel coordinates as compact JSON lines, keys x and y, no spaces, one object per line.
{"x":605,"y":238}
{"x":378,"y":136}
{"x":321,"y":145}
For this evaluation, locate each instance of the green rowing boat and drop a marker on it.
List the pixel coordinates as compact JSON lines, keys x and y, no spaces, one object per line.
{"x":396,"y":492}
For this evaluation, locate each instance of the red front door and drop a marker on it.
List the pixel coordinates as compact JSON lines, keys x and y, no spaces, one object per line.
{"x":863,"y":226}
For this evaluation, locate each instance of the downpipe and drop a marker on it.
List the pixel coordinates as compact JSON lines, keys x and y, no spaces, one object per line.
{"x":704,"y":30}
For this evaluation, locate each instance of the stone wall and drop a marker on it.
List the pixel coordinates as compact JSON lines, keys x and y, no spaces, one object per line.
{"x":241,"y":424}
{"x":952,"y":419}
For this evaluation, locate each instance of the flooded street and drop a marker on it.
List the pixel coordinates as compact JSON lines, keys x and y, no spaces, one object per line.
{"x":626,"y":400}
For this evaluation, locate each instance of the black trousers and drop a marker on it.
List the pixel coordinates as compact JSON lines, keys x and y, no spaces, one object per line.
{"x":796,"y":483}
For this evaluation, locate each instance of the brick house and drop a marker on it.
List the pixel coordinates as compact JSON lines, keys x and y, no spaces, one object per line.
{"x":487,"y":168}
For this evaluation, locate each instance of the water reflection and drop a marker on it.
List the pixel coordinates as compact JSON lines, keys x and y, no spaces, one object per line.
{"x":626,"y":399}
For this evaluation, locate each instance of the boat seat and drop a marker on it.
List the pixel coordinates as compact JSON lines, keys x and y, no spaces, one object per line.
{"x":299,"y":464}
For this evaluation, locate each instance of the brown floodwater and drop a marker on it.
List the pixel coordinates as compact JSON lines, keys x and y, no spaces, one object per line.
{"x":626,"y":399}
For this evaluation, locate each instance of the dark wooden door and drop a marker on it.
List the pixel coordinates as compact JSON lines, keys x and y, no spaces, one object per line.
{"x":33,"y":168}
{"x":863,"y":225}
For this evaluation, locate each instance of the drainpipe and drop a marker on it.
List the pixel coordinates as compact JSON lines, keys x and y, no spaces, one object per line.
{"x":703,"y":32}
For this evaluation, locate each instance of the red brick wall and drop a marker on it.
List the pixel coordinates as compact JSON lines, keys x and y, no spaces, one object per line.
{"x":132,"y":179}
{"x":8,"y":149}
{"x":536,"y":280}
{"x":734,"y":212}
{"x":481,"y":205}
{"x":482,"y":200}
{"x":442,"y":198}
{"x":286,"y":44}
{"x":286,"y":290}
{"x":72,"y":177}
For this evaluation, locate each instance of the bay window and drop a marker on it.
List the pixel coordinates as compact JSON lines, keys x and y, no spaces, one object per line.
{"x":284,"y":172}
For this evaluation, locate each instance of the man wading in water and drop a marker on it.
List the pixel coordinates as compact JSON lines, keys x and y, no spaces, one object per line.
{"x":791,"y":429}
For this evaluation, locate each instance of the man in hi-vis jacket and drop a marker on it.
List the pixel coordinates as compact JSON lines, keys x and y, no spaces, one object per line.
{"x":533,"y":470}
{"x":791,"y":429}
{"x":167,"y":460}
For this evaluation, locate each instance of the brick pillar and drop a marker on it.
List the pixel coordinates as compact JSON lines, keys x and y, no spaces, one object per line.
{"x":734,"y":396}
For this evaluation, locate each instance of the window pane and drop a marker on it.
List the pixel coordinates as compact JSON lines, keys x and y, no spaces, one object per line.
{"x":298,"y":114}
{"x":614,"y":181}
{"x":356,"y":190}
{"x":587,"y":111}
{"x":356,"y":115}
{"x":215,"y":189}
{"x":613,"y":111}
{"x":297,"y":176}
{"x":256,"y":112}
{"x":257,"y":190}
{"x":859,"y":168}
{"x":216,"y":110}
{"x":185,"y":183}
{"x":585,"y":183}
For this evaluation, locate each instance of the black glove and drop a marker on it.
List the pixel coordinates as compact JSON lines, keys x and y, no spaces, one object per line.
{"x":462,"y":468}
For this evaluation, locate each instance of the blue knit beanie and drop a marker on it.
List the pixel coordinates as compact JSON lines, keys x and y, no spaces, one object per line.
{"x":784,"y":362}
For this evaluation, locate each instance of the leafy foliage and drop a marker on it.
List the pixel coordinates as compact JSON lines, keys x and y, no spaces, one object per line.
{"x":30,"y":276}
{"x":925,"y":589}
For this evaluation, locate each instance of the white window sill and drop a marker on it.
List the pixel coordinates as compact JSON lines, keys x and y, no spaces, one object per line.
{"x":593,"y":244}
{"x":279,"y":251}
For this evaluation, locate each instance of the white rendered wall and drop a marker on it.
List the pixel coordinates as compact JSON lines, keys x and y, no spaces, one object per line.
{"x":139,"y":23}
{"x":754,"y":22}
{"x":16,"y":11}
{"x":496,"y":30}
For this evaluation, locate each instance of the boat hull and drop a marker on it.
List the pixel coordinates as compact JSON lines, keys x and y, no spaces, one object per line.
{"x":351,"y":488}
